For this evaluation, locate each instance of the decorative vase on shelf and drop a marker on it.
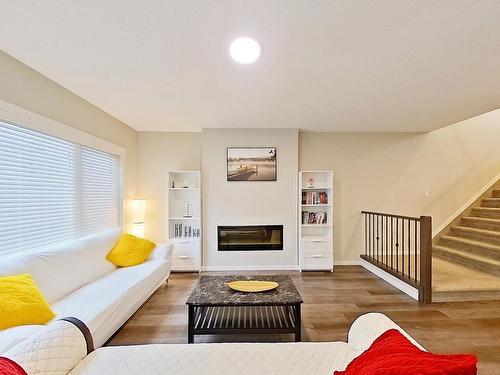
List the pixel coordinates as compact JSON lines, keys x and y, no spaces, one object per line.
{"x":188,"y":209}
{"x":310,"y":182}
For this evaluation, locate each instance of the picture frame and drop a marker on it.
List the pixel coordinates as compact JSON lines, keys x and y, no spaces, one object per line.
{"x":251,"y":163}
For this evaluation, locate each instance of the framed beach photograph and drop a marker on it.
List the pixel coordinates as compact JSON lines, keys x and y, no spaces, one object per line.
{"x":251,"y":164}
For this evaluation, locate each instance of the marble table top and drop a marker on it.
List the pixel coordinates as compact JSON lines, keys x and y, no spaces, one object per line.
{"x":211,"y":290}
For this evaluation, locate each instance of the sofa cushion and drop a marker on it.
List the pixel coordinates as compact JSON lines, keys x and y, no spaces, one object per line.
{"x":130,"y":251}
{"x":9,"y":367}
{"x":61,"y":269}
{"x":393,"y":354}
{"x":311,"y":358}
{"x":21,"y":302}
{"x":108,"y":302}
{"x":12,"y":336}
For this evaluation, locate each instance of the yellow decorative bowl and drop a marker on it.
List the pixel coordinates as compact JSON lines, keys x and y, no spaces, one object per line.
{"x":252,"y":286}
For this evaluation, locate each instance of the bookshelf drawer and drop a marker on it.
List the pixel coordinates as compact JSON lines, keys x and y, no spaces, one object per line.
{"x":318,"y":262}
{"x":315,"y":247}
{"x":183,"y":246}
{"x":185,"y":262}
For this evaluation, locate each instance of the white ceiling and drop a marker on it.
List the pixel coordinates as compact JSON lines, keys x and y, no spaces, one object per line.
{"x":386,"y":65}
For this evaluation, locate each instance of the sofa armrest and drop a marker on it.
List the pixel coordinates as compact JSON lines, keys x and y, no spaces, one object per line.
{"x":54,"y":349}
{"x":367,"y":327}
{"x":162,"y":251}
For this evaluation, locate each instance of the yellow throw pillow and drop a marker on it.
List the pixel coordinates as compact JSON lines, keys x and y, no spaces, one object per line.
{"x":21,"y":302}
{"x":130,"y":251}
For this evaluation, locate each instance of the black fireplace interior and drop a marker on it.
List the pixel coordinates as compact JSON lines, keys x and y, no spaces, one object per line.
{"x":250,"y":237}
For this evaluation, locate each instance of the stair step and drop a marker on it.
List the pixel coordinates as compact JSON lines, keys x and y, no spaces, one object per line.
{"x":487,"y":212}
{"x":482,"y":223}
{"x":482,"y":235}
{"x":472,"y":247}
{"x":466,"y":259}
{"x":476,"y":295}
{"x":491,"y":202}
{"x":496,"y":193}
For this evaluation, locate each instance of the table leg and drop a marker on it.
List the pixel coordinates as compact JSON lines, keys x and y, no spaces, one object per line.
{"x":298,"y":323}
{"x":190,"y":324}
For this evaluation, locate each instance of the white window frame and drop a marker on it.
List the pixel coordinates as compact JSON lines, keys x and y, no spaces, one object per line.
{"x":22,"y":117}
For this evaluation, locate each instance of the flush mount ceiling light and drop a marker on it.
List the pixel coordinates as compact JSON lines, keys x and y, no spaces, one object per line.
{"x":244,"y":50}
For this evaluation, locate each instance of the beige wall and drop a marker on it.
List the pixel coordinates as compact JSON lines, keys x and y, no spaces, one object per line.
{"x":158,"y":153}
{"x":24,"y":87}
{"x":390,"y":172}
{"x":249,"y":203}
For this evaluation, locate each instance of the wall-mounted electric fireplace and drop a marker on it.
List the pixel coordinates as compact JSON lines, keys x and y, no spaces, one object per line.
{"x":250,"y":237}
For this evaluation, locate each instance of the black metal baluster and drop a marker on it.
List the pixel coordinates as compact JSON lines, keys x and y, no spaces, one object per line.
{"x":409,"y":249}
{"x":403,"y":246}
{"x":377,"y":238}
{"x":397,"y":244}
{"x":415,"y":258}
{"x":370,"y":240}
{"x":366,"y":234}
{"x":392,"y":241}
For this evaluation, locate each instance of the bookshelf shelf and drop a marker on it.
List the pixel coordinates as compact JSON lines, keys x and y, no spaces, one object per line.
{"x":184,"y":219}
{"x":316,"y":188}
{"x":315,"y":217}
{"x":316,"y":225}
{"x":316,"y":205}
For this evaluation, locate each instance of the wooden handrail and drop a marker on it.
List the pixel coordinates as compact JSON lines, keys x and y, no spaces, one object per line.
{"x":391,"y":215}
{"x":401,"y":246}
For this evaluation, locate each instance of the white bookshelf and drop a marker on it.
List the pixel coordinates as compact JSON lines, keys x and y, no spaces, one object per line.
{"x":315,"y":218}
{"x":184,"y":225}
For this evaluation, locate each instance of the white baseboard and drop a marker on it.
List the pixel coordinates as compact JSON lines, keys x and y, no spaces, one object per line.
{"x":346,"y":262}
{"x":272,"y":268}
{"x":464,"y":206}
{"x":394,"y":281}
{"x":251,"y":268}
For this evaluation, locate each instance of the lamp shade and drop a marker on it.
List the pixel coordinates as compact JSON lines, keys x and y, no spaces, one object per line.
{"x":139,"y":211}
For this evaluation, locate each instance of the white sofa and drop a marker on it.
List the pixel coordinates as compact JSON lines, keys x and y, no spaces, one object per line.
{"x":79,"y":282}
{"x":38,"y":357}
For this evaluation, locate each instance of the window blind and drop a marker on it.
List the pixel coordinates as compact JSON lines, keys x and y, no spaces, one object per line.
{"x":53,"y":190}
{"x":100,"y":194}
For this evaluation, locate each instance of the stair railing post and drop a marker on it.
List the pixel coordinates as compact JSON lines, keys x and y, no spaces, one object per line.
{"x":425,"y":291}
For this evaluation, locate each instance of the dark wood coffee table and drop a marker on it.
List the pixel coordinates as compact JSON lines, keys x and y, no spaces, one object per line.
{"x":214,"y":308}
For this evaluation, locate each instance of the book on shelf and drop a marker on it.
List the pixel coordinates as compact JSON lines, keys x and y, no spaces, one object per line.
{"x":309,"y":217}
{"x":314,"y":197}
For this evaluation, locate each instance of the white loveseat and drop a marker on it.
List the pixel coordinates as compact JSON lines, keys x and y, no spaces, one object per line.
{"x":42,"y":354}
{"x":79,"y":282}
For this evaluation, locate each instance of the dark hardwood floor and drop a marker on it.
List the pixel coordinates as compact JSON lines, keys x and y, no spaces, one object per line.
{"x":331,"y":302}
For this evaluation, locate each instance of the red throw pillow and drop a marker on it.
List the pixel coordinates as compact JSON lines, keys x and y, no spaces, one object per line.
{"x":393,"y":354}
{"x":9,"y":367}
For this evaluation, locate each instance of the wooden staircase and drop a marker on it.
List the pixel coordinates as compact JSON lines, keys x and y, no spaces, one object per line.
{"x":470,"y":244}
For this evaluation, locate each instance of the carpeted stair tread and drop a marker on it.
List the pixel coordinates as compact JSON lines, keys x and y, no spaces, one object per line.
{"x":481,"y":263}
{"x":481,"y":222}
{"x":469,"y":242}
{"x":457,"y":282}
{"x":489,"y":212}
{"x":482,"y":235}
{"x":491,"y":202}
